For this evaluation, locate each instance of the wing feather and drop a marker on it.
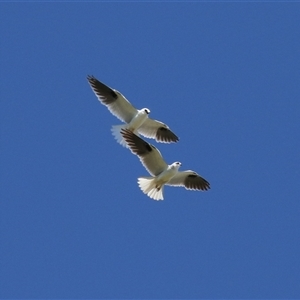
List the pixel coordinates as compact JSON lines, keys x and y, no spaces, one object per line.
{"x":190,"y":180}
{"x":149,"y":156}
{"x":157,"y":130}
{"x":117,"y":104}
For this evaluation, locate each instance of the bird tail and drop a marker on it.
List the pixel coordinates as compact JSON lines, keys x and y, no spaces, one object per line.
{"x":148,"y":186}
{"x":116,"y":132}
{"x":117,"y":135}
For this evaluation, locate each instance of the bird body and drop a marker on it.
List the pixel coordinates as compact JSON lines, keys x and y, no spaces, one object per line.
{"x":153,"y":186}
{"x":139,"y":119}
{"x":162,"y":173}
{"x":136,"y":120}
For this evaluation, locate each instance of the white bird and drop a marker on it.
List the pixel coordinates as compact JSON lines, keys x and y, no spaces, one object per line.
{"x":137,"y":119}
{"x":162,"y":173}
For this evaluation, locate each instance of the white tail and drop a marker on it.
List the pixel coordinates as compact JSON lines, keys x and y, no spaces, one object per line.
{"x":117,"y":135}
{"x":148,"y":186}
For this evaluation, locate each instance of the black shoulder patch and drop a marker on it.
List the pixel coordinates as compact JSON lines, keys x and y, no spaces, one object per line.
{"x":114,"y":94}
{"x":148,"y":147}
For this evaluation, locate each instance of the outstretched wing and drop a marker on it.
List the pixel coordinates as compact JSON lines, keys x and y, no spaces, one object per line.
{"x":157,"y":130}
{"x":149,"y":156}
{"x":190,"y":180}
{"x":117,"y":104}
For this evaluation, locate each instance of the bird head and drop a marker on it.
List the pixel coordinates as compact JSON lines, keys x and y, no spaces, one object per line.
{"x":176,"y":165}
{"x":146,"y":110}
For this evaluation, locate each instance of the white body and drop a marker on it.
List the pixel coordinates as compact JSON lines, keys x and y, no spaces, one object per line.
{"x":154,"y":186}
{"x":162,"y":173}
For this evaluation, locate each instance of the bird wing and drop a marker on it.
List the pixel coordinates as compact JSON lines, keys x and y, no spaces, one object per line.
{"x":117,"y":104}
{"x":157,"y":130}
{"x":149,"y":156}
{"x":190,"y":180}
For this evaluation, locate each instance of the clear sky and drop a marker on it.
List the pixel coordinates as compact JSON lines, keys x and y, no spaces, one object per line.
{"x":224,"y":77}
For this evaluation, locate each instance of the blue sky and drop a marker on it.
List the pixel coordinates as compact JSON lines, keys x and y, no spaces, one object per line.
{"x":224,"y":77}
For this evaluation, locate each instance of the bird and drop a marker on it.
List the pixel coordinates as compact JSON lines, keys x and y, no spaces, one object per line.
{"x":161,"y":173}
{"x":136,"y":120}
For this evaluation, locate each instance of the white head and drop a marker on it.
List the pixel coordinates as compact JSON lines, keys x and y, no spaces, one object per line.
{"x":176,"y":165}
{"x":146,"y":110}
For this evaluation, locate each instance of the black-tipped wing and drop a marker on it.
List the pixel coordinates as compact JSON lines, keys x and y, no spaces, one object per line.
{"x":190,"y":180}
{"x":117,"y":104}
{"x":158,"y":130}
{"x":149,"y":156}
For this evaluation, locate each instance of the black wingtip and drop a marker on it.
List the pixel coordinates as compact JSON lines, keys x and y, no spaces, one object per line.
{"x":90,"y":78}
{"x":133,"y":141}
{"x":165,"y":135}
{"x":126,"y":132}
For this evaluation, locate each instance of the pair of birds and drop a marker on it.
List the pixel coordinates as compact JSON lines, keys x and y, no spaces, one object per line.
{"x":138,"y":122}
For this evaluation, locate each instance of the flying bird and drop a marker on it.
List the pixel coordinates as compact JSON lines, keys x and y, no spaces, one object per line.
{"x":137,"y":119}
{"x":162,"y":173}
